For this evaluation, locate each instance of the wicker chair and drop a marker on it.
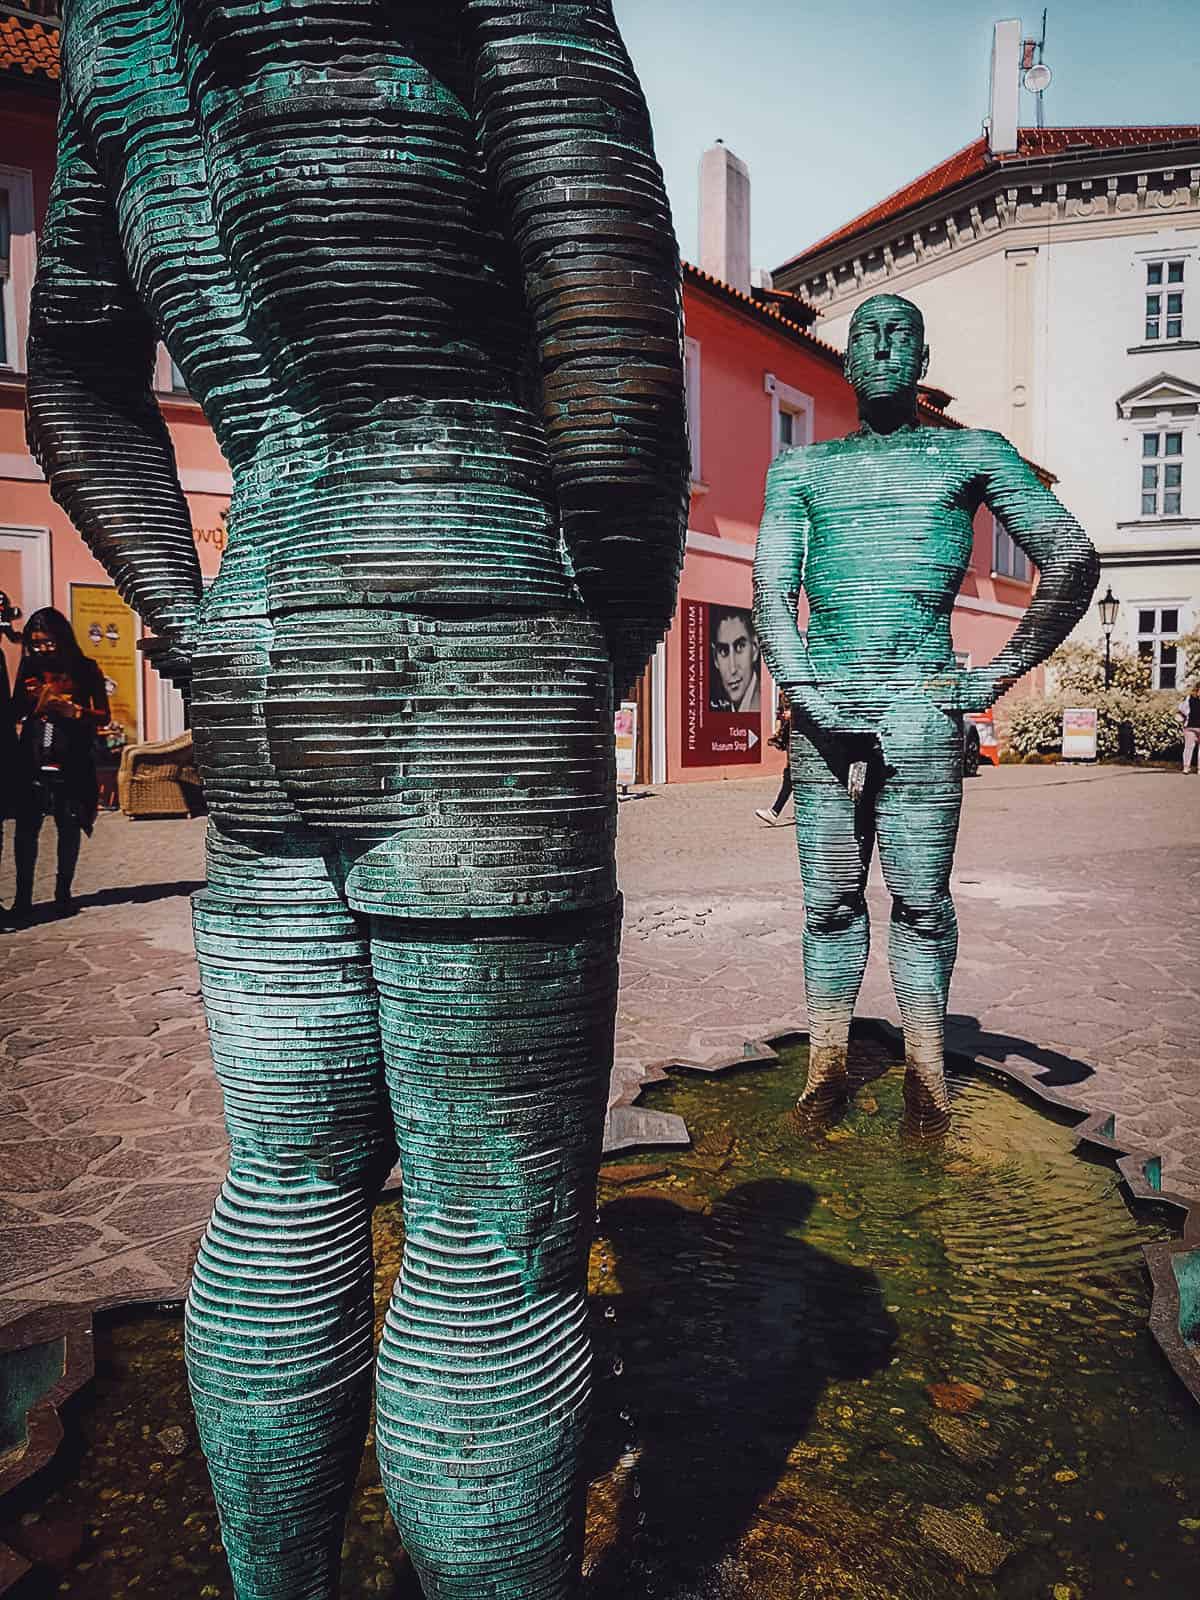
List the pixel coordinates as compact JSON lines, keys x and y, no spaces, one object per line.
{"x":160,"y":780}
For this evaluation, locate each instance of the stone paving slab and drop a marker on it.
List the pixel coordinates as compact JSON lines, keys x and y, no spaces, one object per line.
{"x":1079,"y":904}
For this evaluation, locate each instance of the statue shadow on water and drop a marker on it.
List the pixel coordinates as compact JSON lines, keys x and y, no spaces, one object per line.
{"x":728,"y":1328}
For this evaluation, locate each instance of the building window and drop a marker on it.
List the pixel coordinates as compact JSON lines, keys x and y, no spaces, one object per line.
{"x":791,"y":429}
{"x":1008,"y":559}
{"x":1162,"y":474}
{"x":1158,"y":629}
{"x":791,"y":415}
{"x":691,"y":370}
{"x":1164,"y":300}
{"x":6,"y":332}
{"x":18,"y":260}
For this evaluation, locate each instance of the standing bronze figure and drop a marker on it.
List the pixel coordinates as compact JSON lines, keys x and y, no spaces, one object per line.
{"x":415,"y":261}
{"x":877,"y":530}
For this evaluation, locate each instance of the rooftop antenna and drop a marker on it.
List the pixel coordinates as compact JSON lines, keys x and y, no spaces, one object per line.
{"x":1037,"y":76}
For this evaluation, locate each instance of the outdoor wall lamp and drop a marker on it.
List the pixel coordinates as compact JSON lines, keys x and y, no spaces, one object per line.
{"x":1109,"y":606}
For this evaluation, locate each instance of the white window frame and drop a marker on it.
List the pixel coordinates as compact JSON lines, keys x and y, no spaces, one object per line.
{"x":691,"y":372}
{"x":1159,"y":462}
{"x":1157,"y":636}
{"x":792,"y":402}
{"x":32,"y":545}
{"x":1161,"y":292}
{"x":166,"y":373}
{"x":17,"y":184}
{"x":1168,"y":244}
{"x":1008,"y":559}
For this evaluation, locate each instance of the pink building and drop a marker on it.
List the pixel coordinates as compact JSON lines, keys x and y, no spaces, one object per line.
{"x":43,"y":561}
{"x":758,"y":381}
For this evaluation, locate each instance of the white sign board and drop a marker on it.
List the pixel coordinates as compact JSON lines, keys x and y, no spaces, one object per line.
{"x":625,"y":727}
{"x":1079,"y":733}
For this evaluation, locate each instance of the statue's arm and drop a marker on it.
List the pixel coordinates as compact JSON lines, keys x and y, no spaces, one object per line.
{"x":778,"y":578}
{"x":566,"y":135}
{"x":91,"y":418}
{"x":1063,"y":554}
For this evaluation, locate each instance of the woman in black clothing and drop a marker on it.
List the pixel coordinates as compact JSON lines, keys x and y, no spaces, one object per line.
{"x":60,"y":702}
{"x":8,"y":726}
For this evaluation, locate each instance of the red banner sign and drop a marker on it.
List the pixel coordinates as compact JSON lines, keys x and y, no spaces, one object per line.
{"x":722,"y":686}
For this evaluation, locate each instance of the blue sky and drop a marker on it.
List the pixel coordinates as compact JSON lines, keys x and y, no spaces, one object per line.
{"x":834,"y":106}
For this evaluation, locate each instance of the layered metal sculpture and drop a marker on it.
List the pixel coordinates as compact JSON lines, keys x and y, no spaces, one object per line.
{"x":416,"y":262}
{"x":877,"y":530}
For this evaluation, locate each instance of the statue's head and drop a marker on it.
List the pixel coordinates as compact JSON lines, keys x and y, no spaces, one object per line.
{"x":886,"y":353}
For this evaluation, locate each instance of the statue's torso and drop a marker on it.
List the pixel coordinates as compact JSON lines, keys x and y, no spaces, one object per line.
{"x":300,"y":195}
{"x":888,"y":543}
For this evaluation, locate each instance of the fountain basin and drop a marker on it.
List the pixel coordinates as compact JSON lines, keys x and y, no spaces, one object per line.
{"x":845,"y":1366}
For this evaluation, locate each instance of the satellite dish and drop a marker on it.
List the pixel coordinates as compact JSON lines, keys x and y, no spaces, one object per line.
{"x":1037,"y":79}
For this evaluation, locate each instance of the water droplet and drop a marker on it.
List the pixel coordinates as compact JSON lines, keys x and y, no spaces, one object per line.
{"x":618,"y":1366}
{"x":610,"y":1313}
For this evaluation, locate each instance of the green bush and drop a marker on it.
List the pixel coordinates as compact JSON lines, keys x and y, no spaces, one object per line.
{"x":1189,"y":659}
{"x":1036,"y":725}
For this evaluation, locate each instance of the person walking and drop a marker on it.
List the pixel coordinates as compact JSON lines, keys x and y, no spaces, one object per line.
{"x":1189,"y":714}
{"x":782,"y":740}
{"x":8,"y":726}
{"x":60,"y":702}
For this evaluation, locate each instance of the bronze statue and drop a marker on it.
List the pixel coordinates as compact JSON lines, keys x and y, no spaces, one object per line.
{"x":415,"y":260}
{"x":877,"y":530}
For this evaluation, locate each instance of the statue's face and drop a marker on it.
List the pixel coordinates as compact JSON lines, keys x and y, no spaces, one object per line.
{"x":886,"y":353}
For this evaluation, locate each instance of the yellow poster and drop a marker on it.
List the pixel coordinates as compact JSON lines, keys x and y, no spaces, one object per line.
{"x":107,"y":631}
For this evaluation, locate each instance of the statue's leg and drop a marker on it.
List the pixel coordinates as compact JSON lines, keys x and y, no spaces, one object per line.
{"x":835,"y":838}
{"x":917,"y":813}
{"x":279,"y":1317}
{"x":498,"y":1043}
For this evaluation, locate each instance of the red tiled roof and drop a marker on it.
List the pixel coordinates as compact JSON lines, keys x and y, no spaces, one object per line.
{"x":764,"y":310}
{"x":973,"y":160}
{"x":28,"y":47}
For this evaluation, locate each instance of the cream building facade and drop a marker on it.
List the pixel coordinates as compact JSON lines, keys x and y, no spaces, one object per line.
{"x":1060,"y":283}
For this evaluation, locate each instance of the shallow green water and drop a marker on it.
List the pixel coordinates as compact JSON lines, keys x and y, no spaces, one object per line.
{"x":841,"y":1367}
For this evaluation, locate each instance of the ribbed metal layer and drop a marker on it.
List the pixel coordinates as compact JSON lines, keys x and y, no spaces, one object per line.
{"x":498,"y":1057}
{"x":416,"y":262}
{"x":498,"y":1049}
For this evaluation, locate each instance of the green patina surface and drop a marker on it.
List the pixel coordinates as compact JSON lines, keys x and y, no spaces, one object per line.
{"x":416,"y":263}
{"x":853,"y":1368}
{"x":877,"y":531}
{"x":26,"y":1376}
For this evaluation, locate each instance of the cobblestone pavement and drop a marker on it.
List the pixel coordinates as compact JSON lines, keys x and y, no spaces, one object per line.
{"x":1078,"y":896}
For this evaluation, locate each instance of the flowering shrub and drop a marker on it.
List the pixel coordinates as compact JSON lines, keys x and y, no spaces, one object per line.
{"x":1188,"y":645}
{"x":1078,"y":669}
{"x":1036,"y":724}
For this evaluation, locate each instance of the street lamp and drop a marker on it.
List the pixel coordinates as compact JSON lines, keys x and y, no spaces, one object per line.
{"x":1109,"y":606}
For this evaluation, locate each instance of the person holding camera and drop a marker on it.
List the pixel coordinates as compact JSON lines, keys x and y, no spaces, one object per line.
{"x":60,"y":703}
{"x":8,"y":726}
